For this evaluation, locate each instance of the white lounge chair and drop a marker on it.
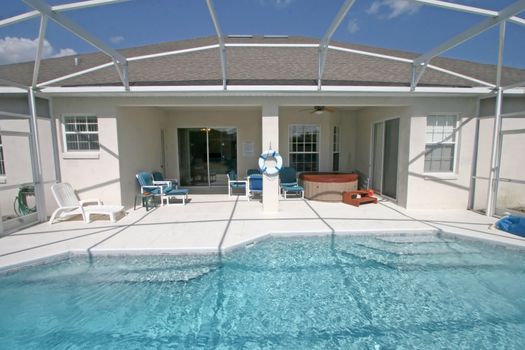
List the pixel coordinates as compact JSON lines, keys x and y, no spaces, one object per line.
{"x":69,"y":205}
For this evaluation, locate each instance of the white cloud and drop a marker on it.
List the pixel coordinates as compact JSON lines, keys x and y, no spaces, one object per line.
{"x":15,"y":49}
{"x":393,"y":8}
{"x":353,"y":25}
{"x":117,"y":39}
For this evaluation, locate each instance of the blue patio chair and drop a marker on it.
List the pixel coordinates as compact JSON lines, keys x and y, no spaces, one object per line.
{"x":234,"y":184}
{"x":158,"y":176}
{"x":251,"y":172}
{"x":164,"y":189}
{"x":288,"y":182}
{"x":255,"y":185}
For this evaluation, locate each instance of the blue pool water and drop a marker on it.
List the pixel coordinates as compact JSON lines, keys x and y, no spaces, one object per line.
{"x":424,"y":292}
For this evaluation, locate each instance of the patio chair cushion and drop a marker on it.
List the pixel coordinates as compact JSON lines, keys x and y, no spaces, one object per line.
{"x":292,"y":188}
{"x":180,"y":191}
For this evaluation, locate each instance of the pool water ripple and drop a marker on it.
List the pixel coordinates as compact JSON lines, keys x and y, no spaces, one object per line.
{"x":302,"y":293}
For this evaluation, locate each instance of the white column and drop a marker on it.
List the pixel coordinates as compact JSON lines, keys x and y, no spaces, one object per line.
{"x":270,"y":138}
{"x":36,"y":160}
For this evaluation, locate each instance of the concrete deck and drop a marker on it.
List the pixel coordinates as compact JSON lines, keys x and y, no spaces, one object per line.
{"x":213,"y":223}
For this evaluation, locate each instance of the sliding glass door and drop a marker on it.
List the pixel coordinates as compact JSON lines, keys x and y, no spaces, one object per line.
{"x":385,"y":141}
{"x":206,"y":155}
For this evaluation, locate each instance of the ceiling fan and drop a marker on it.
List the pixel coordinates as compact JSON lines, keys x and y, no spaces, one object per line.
{"x":320,"y":109}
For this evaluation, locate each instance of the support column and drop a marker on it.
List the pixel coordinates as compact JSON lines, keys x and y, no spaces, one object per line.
{"x":495,"y":158}
{"x":36,"y":159}
{"x":270,"y":138}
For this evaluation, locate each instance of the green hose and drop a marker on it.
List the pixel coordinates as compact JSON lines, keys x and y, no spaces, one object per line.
{"x":20,"y":205}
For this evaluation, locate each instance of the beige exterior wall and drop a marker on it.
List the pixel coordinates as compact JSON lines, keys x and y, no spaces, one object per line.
{"x":441,"y":191}
{"x":139,"y":146}
{"x":510,"y":195}
{"x":17,"y":156}
{"x":92,"y":174}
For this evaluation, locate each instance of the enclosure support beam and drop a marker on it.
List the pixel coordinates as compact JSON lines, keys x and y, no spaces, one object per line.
{"x":36,"y":161}
{"x":38,"y":58}
{"x":323,"y":45}
{"x":501,"y":46}
{"x":46,"y":10}
{"x":495,"y":157}
{"x":474,"y":166}
{"x":417,"y":73}
{"x":58,"y":8}
{"x":468,"y":9}
{"x":220,"y":36}
{"x":479,"y":28}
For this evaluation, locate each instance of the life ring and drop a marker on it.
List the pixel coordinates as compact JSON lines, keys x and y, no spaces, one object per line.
{"x":271,"y":170}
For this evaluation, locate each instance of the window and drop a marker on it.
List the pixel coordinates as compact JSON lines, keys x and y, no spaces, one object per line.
{"x":304,"y":147}
{"x":2,"y":163}
{"x":81,"y":133}
{"x":335,"y":147}
{"x":440,"y":144}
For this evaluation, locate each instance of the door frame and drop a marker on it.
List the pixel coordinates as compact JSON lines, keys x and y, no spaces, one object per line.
{"x":371,"y":154}
{"x":199,"y":126}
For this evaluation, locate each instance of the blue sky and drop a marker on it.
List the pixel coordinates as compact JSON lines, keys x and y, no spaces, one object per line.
{"x":396,"y":24}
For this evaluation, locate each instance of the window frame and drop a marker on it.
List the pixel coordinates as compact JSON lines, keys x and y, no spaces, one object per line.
{"x":318,"y":142}
{"x":455,"y":131}
{"x":67,"y":153}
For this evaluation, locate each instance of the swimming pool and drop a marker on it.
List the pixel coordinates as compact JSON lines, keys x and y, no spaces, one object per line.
{"x":424,"y":292}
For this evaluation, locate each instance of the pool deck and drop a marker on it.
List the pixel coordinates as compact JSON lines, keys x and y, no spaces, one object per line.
{"x":213,"y":223}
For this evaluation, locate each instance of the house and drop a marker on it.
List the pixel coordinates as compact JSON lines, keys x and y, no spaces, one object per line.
{"x":419,"y":146}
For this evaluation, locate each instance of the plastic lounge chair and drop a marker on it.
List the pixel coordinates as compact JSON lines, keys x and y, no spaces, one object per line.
{"x":288,"y":182}
{"x":69,"y":205}
{"x":255,"y":185}
{"x":234,"y":184}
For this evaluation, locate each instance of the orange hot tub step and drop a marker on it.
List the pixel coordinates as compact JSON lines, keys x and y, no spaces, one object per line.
{"x":357,"y":198}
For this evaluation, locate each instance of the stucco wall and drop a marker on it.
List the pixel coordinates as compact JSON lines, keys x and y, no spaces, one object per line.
{"x":246,"y":120}
{"x":510,"y":195}
{"x":139,"y":145}
{"x":348,"y":141}
{"x":414,"y":188}
{"x":92,"y":174}
{"x":444,"y":191}
{"x":17,"y":157}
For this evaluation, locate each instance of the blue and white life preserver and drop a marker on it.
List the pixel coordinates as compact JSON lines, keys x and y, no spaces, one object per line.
{"x":272,"y":169}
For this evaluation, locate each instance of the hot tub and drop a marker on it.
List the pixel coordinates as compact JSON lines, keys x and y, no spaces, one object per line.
{"x":327,"y":187}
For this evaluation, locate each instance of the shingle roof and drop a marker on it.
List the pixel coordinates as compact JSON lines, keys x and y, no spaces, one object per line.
{"x":257,"y":66}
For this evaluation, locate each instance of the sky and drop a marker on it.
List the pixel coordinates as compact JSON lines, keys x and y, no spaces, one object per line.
{"x":394,"y":24}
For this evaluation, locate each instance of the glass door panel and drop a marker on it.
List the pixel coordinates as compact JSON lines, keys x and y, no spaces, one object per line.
{"x":206,"y":155}
{"x":222,"y":154}
{"x":377,"y":157}
{"x":390,"y":158}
